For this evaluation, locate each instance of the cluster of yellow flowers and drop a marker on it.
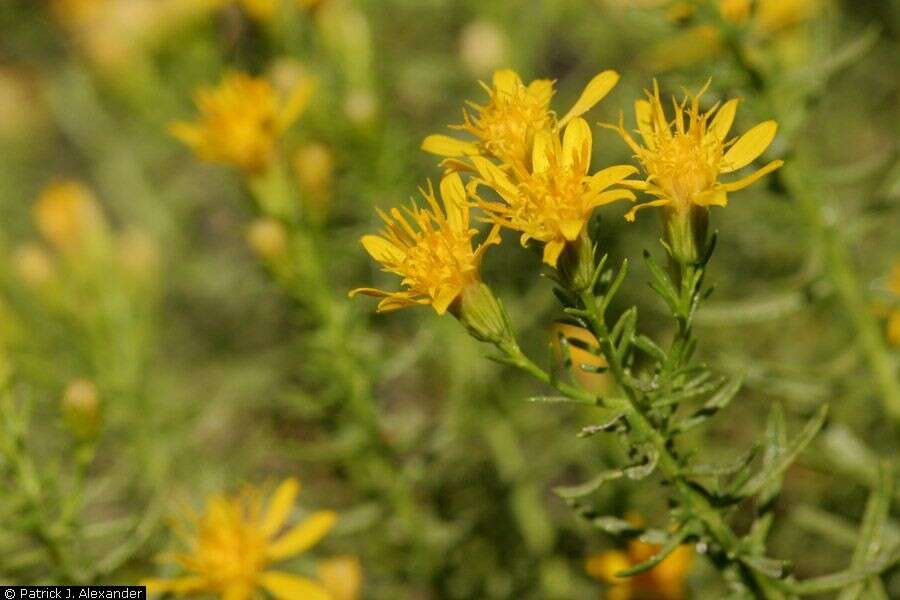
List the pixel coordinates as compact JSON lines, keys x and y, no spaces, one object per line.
{"x":538,"y":169}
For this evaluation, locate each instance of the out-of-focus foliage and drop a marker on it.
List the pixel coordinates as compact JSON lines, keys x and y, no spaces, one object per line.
{"x":174,"y":330}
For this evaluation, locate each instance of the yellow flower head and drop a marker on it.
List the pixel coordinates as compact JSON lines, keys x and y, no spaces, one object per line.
{"x":68,"y":216}
{"x":241,"y":121}
{"x":684,"y":158}
{"x":235,"y":541}
{"x":505,"y":127}
{"x":554,"y":200}
{"x":430,"y":248}
{"x":665,"y":581}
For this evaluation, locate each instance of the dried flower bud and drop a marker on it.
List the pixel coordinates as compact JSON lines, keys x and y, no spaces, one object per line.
{"x":267,"y":238}
{"x":81,"y":408}
{"x":482,"y":47}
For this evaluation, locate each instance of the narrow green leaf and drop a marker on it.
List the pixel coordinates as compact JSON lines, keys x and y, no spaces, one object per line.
{"x":589,"y":487}
{"x":771,"y":567}
{"x":836,"y":581}
{"x":610,"y":421}
{"x":649,"y":347}
{"x":784,"y":460}
{"x":560,"y":400}
{"x":665,"y":550}
{"x":615,"y":526}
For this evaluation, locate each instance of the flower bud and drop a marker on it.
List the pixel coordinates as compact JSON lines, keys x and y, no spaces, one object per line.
{"x":576,"y":263}
{"x":686,"y":231}
{"x":482,"y":315}
{"x":81,"y":408}
{"x":33,"y":265}
{"x":267,"y":238}
{"x":68,"y":216}
{"x":314,"y":167}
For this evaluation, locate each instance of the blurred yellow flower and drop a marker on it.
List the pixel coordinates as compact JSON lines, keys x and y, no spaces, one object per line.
{"x":581,"y":355}
{"x":314,"y":167}
{"x":663,"y":582}
{"x":234,"y":543}
{"x":434,"y":255}
{"x":33,"y":265}
{"x":68,"y":216}
{"x":505,"y":127}
{"x":81,"y":408}
{"x":554,"y":200}
{"x":683,"y":161}
{"x":241,"y":121}
{"x":341,"y":576}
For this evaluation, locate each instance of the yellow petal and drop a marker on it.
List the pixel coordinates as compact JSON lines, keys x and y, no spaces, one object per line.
{"x":237,"y":592}
{"x":382,"y":250}
{"x":453,"y":193}
{"x":507,"y":81}
{"x":571,"y":229}
{"x":302,"y":536}
{"x":541,"y":90}
{"x":577,"y":142}
{"x":368,"y":292}
{"x":494,"y":177}
{"x":285,"y":586}
{"x":444,"y":145}
{"x":643,"y":114}
{"x":610,"y":176}
{"x":611,"y":196}
{"x":399,"y":300}
{"x":552,"y":250}
{"x":179,"y":585}
{"x":749,"y":146}
{"x":444,"y":298}
{"x":541,"y":151}
{"x":753,"y":177}
{"x":629,"y":216}
{"x":280,"y":506}
{"x":723,"y":119}
{"x":714,"y":197}
{"x":595,"y":90}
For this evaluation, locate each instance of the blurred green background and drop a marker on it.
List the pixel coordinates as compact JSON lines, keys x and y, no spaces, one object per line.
{"x":215,"y":367}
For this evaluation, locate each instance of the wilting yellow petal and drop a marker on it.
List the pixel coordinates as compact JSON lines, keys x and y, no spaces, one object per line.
{"x":381,"y":250}
{"x":610,"y":176}
{"x":577,"y":142}
{"x":750,"y":179}
{"x":749,"y":146}
{"x":593,"y":93}
{"x":552,"y":250}
{"x":285,"y":586}
{"x":302,"y":536}
{"x":629,"y":216}
{"x":723,"y":119}
{"x":444,"y":145}
{"x":280,"y":506}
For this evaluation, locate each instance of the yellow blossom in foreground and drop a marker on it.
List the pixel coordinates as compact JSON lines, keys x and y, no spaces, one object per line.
{"x":665,"y":581}
{"x":554,"y":200}
{"x":582,"y":349}
{"x":433,"y":254}
{"x":234,"y":543}
{"x":241,"y":121}
{"x":505,"y":127}
{"x":684,"y":158}
{"x":67,"y":215}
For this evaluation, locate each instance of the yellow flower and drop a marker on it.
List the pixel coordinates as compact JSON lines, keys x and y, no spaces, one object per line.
{"x":684,"y":158}
{"x":665,"y":581}
{"x":68,"y":216}
{"x":433,"y":255}
{"x":505,"y":127}
{"x":241,"y":121}
{"x":341,"y":576}
{"x":554,"y":200}
{"x":583,"y":353}
{"x":235,"y":542}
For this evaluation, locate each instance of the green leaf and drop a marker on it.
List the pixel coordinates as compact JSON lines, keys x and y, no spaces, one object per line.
{"x":560,"y":400}
{"x":873,"y":528}
{"x":650,"y":348}
{"x":723,"y":469}
{"x":776,"y":470}
{"x":770,"y":567}
{"x":641,"y":470}
{"x":836,"y":581}
{"x":665,"y":550}
{"x":609,"y":421}
{"x":578,"y":491}
{"x":661,"y":283}
{"x":716,"y":402}
{"x":777,"y":440}
{"x":615,"y":526}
